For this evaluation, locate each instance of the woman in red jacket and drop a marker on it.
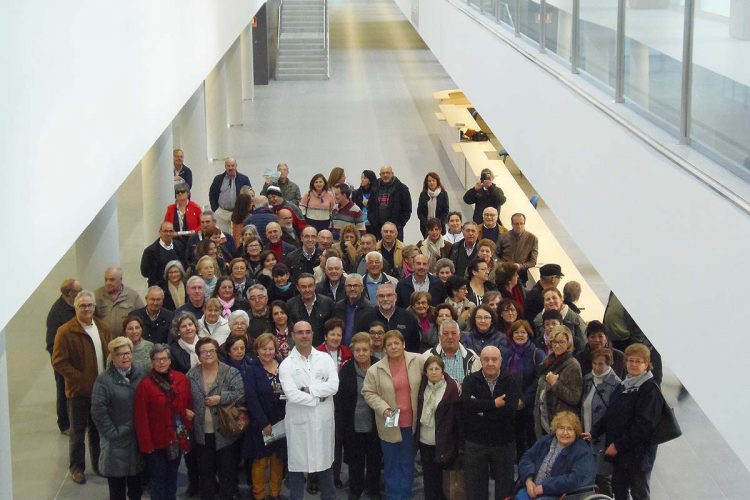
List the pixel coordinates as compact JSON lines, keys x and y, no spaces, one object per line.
{"x":162,"y":420}
{"x":184,"y":213}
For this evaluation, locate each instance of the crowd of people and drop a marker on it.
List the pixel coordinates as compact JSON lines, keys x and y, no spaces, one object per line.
{"x":305,"y":319}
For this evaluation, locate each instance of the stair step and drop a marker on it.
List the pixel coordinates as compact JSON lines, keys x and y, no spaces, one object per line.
{"x":314,"y":58}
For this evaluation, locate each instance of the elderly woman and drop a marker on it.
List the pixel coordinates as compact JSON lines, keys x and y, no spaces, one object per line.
{"x":282,"y":330}
{"x":253,"y":255}
{"x":634,"y":411}
{"x":457,"y":290}
{"x":483,"y":330}
{"x":438,"y":430}
{"x":348,"y":245}
{"x":132,"y":326}
{"x":356,"y":421}
{"x":558,"y":462}
{"x":184,"y":213}
{"x":444,"y":269}
{"x":521,"y":359}
{"x":598,"y":386}
{"x":390,"y":388}
{"x":486,"y":251}
{"x":212,"y":384}
{"x":421,"y":309}
{"x":479,"y":283}
{"x":508,"y":311}
{"x":560,"y":382}
{"x":112,"y":403}
{"x":238,"y":328}
{"x":407,"y":261}
{"x":173,"y":285}
{"x":239,"y":277}
{"x":553,"y":301}
{"x":266,"y":406}
{"x":185,"y":331}
{"x":206,"y":269}
{"x":163,"y":418}
{"x":212,"y":324}
{"x":225,"y":293}
{"x":506,"y":280}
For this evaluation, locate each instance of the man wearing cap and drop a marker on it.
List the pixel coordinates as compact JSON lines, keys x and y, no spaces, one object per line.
{"x":223,"y":193}
{"x":519,"y":246}
{"x":549,"y":277}
{"x":277,"y":202}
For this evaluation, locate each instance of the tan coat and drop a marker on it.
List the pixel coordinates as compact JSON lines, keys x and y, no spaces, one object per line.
{"x":74,"y":357}
{"x":397,"y":254}
{"x":114,"y":311}
{"x":379,"y":393}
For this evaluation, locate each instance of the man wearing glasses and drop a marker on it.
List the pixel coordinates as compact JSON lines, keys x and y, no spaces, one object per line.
{"x":79,"y":355}
{"x":352,"y":307}
{"x":394,"y":317}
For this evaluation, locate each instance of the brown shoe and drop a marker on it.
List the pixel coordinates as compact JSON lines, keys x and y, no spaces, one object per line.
{"x":78,"y":477}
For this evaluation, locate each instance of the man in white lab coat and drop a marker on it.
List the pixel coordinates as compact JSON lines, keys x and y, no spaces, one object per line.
{"x":309,"y":380}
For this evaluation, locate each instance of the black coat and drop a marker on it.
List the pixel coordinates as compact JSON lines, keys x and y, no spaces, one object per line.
{"x":155,"y":258}
{"x":401,"y":320}
{"x":60,"y":313}
{"x":298,"y":263}
{"x":492,"y":197}
{"x":180,"y":358}
{"x":441,"y":210}
{"x":448,"y":432}
{"x":168,"y":299}
{"x":324,"y":288}
{"x":264,"y":408}
{"x":213,"y":192}
{"x":398,"y":210}
{"x":345,"y":402}
{"x":156,"y":331}
{"x":405,"y":288}
{"x":321,"y":312}
{"x":483,"y":422}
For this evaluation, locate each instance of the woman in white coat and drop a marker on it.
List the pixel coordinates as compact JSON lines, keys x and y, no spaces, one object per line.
{"x":309,"y":379}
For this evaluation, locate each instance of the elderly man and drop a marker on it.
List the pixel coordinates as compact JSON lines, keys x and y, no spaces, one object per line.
{"x":60,"y":313}
{"x":309,"y":379}
{"x":325,"y":240}
{"x":375,"y":276}
{"x":519,"y":246}
{"x":352,"y":307}
{"x":420,"y":280}
{"x":390,"y":201}
{"x":181,"y":171}
{"x":156,"y":320}
{"x":309,"y":306}
{"x":155,"y":256}
{"x":394,"y":317}
{"x":277,"y":202}
{"x":346,"y":212}
{"x":464,"y":252}
{"x":288,"y":233}
{"x":115,"y":301}
{"x":208,"y":220}
{"x":223,"y":193}
{"x":491,"y":228}
{"x":274,"y":242}
{"x":305,"y":258}
{"x":458,"y":360}
{"x":289,"y":190}
{"x":484,"y":194}
{"x":196,"y":297}
{"x":549,"y":277}
{"x":80,"y":355}
{"x":367,"y":244}
{"x":390,"y":247}
{"x":260,"y":316}
{"x":332,"y":285}
{"x":261,"y":216}
{"x":489,"y":398}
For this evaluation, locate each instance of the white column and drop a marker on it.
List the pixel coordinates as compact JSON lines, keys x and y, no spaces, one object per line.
{"x":157,"y":182}
{"x":216,"y":113}
{"x":233,"y":61}
{"x":98,"y":247}
{"x":739,"y":20}
{"x":246,"y":50}
{"x":6,"y":470}
{"x":189,"y":134}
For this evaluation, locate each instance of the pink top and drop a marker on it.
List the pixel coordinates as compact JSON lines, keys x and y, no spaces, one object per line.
{"x":400,"y":379}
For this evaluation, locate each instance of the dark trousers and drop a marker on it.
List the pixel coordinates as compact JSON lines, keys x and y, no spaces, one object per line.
{"x":119,"y":485}
{"x":366,"y":452}
{"x":191,"y":464}
{"x":223,"y":462}
{"x":525,"y":436}
{"x":432,"y":473}
{"x":325,"y":481}
{"x":398,"y":461}
{"x":630,"y":477}
{"x":338,"y":455}
{"x":79,"y":411}
{"x":480,"y":460}
{"x":163,"y":475}
{"x":63,"y":422}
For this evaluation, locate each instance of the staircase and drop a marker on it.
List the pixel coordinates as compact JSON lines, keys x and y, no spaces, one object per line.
{"x":303,"y":41}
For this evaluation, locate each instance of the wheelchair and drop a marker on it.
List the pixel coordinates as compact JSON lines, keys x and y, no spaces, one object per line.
{"x":584,"y":493}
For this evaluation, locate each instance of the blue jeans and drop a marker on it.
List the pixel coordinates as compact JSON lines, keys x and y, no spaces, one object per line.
{"x":163,"y":475}
{"x":398,"y":460}
{"x":325,"y":482}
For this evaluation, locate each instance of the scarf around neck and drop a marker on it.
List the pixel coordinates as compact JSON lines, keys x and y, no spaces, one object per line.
{"x":631,"y":383}
{"x":515,"y":366}
{"x":552,"y":363}
{"x":190,"y":349}
{"x":431,"y":400}
{"x":226,"y":306}
{"x":432,"y":201}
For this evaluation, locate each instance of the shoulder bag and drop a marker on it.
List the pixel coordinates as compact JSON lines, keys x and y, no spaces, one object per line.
{"x":233,"y":418}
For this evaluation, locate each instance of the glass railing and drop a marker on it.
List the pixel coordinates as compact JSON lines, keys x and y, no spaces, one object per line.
{"x":682,"y":64}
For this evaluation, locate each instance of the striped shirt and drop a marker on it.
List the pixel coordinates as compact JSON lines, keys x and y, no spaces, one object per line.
{"x":349,"y":214}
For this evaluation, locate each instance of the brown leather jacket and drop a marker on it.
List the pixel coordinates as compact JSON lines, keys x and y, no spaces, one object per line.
{"x":74,"y":356}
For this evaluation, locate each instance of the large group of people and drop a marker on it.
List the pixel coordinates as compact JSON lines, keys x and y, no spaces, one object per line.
{"x":305,"y":318}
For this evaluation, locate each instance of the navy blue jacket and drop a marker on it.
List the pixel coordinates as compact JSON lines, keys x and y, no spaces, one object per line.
{"x":260,"y":219}
{"x":573,"y":469}
{"x":213,"y":192}
{"x":405,"y":288}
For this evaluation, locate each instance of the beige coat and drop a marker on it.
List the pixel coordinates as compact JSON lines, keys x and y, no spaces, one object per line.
{"x":114,"y":311}
{"x":379,"y":393}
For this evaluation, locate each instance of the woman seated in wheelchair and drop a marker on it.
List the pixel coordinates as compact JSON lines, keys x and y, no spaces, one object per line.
{"x":557,"y":463}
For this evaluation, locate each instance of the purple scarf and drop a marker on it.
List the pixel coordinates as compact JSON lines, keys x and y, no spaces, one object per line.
{"x":515,"y":364}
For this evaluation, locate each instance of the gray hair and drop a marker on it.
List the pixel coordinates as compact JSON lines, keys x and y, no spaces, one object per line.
{"x":261,"y":201}
{"x":154,"y":289}
{"x":177,"y":321}
{"x":374,"y":254}
{"x":334,"y":259}
{"x":258,"y":287}
{"x":441,"y":263}
{"x":170,"y":265}
{"x":238,"y":315}
{"x":181,"y":186}
{"x":196,"y":278}
{"x":209,"y":213}
{"x":386,"y":284}
{"x":158,"y":348}
{"x":355,"y":277}
{"x":448,"y":322}
{"x":81,"y":295}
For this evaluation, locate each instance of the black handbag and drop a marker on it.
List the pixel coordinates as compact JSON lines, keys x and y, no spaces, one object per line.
{"x":668,"y":428}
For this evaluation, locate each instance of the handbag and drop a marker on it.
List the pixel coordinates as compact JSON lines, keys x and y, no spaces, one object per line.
{"x":233,"y":418}
{"x":668,"y":428}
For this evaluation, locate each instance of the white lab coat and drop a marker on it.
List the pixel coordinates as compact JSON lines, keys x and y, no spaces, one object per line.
{"x":309,"y":421}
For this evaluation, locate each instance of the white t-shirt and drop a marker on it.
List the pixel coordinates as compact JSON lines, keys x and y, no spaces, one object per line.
{"x":93,"y":332}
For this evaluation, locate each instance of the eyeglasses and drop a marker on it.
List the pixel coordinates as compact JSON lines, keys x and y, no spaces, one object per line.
{"x":160,"y":360}
{"x":123,"y":354}
{"x":558,"y":342}
{"x":377,"y":332}
{"x":353,"y":285}
{"x":86,"y":306}
{"x":207,"y":352}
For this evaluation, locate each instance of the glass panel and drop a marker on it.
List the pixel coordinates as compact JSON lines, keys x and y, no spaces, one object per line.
{"x":598,"y":40}
{"x":721,"y":81}
{"x":653,"y":57}
{"x":475,"y":3}
{"x":505,"y":13}
{"x":558,"y":27}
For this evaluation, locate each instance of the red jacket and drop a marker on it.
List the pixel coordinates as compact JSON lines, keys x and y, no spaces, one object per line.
{"x":154,"y":423}
{"x":192,"y":215}
{"x":345,"y":354}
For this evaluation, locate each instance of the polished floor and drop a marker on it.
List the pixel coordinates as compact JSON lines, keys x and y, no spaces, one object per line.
{"x":376,"y":108}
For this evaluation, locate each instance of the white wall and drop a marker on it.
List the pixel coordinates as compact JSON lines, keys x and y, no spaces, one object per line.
{"x":666,"y":243}
{"x":87,"y":87}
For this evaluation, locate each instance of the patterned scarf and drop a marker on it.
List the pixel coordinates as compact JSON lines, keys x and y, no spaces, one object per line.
{"x":226,"y":307}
